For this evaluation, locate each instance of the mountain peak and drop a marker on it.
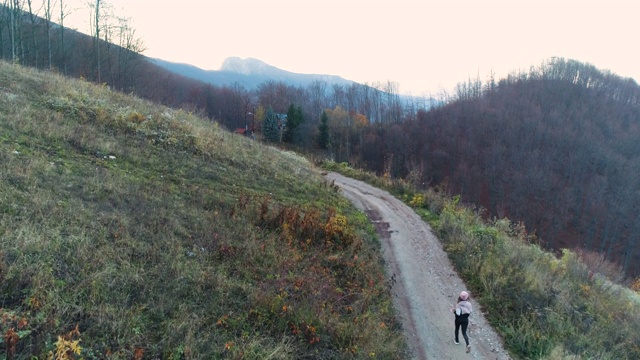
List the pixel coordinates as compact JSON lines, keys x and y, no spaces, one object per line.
{"x":248,"y":66}
{"x":249,"y":73}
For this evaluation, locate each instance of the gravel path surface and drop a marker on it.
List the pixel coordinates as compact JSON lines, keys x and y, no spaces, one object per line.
{"x":426,"y":285}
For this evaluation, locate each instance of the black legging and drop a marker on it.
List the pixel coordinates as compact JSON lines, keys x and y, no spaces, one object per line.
{"x":462,"y":321}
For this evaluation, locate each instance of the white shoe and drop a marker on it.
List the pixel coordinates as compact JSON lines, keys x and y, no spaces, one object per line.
{"x":455,"y":342}
{"x":468,"y":349}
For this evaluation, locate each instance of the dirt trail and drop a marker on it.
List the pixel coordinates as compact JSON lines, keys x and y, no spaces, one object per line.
{"x":426,"y":285}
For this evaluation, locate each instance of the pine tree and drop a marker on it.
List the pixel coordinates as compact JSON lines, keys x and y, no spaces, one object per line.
{"x":295,"y":117}
{"x":270,"y":127}
{"x":323,"y":131}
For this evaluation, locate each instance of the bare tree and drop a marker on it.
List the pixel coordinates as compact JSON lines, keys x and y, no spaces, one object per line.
{"x":33,"y":18}
{"x":129,"y":47}
{"x":393,"y":106}
{"x":338,"y":97}
{"x":61,"y":49}
{"x":15,"y":13}
{"x":318,"y":92}
{"x":4,"y":16}
{"x":96,"y":29}
{"x":376,"y":103}
{"x":48,"y":12}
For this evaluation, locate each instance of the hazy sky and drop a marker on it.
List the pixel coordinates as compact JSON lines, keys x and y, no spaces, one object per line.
{"x":425,"y":46}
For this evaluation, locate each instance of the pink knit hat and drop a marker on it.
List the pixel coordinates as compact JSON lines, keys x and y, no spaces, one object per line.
{"x":464,"y":295}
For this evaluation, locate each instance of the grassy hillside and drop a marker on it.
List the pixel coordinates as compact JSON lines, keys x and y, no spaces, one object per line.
{"x":133,"y":231}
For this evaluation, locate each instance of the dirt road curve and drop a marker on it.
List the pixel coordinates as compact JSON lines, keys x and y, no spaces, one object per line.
{"x":426,"y":286}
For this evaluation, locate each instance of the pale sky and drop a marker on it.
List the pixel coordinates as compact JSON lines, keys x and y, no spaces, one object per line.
{"x":425,"y":46}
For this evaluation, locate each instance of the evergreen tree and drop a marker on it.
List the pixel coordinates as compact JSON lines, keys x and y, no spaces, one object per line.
{"x":295,"y":117}
{"x":323,"y":131}
{"x":270,"y":127}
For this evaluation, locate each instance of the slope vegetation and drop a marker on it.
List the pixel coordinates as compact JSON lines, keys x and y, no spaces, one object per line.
{"x":130,"y":230}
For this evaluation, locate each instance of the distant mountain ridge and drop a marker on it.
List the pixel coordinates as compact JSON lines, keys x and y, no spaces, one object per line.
{"x":249,"y":72}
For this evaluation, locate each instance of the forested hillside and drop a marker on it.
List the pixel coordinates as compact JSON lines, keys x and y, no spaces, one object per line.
{"x":557,"y":148}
